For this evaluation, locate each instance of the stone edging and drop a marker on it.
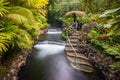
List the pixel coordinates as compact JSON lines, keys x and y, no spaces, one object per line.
{"x":98,"y":59}
{"x":19,"y":62}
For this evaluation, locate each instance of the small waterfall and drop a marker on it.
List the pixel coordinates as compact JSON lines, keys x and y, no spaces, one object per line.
{"x":53,"y":45}
{"x":44,"y":50}
{"x":54,"y":31}
{"x":54,"y":34}
{"x":62,"y":43}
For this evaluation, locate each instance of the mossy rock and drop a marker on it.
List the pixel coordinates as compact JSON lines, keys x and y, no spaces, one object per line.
{"x":86,"y":28}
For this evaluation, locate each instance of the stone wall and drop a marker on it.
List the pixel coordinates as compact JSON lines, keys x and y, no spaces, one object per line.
{"x":100,"y":61}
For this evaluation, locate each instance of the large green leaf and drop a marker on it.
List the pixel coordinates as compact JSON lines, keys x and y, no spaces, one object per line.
{"x":109,"y":12}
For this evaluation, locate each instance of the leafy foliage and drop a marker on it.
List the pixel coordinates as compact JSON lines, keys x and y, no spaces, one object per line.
{"x":20,"y":15}
{"x":113,"y":20}
{"x":3,"y":9}
{"x":20,"y":23}
{"x":64,"y":35}
{"x":116,"y":66}
{"x":37,"y":3}
{"x":93,"y":34}
{"x":107,"y":38}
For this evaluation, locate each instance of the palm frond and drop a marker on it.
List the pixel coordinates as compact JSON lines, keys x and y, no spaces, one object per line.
{"x":3,"y":9}
{"x":21,"y":15}
{"x":17,"y":18}
{"x":3,"y":44}
{"x":23,"y":39}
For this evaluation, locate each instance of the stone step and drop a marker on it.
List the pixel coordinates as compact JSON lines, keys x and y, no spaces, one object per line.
{"x":79,"y":61}
{"x":69,"y":49}
{"x":73,"y":44}
{"x":82,"y":67}
{"x":76,"y":34}
{"x":74,"y":37}
{"x":73,"y":40}
{"x":72,"y":54}
{"x":77,"y":31}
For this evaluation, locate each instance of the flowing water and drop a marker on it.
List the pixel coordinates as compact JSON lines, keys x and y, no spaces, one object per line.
{"x":48,"y":61}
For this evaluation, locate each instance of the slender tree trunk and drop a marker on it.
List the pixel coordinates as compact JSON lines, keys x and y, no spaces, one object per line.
{"x":0,"y":62}
{"x":74,"y":17}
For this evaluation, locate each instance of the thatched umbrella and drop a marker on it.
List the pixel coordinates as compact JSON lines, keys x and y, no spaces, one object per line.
{"x":74,"y":13}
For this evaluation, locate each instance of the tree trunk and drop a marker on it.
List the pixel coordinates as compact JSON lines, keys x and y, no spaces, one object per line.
{"x":0,"y":62}
{"x":74,"y":17}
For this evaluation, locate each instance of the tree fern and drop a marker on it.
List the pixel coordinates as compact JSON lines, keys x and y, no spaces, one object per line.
{"x":6,"y":37}
{"x":14,"y":35}
{"x":3,"y":9}
{"x":19,"y":36}
{"x":23,"y":38}
{"x":36,"y":3}
{"x":4,"y":43}
{"x":21,"y":15}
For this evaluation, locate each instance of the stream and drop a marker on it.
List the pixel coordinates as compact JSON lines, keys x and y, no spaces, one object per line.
{"x":48,"y":61}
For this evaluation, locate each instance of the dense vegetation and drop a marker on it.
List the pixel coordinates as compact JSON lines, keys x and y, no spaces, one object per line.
{"x":20,"y":22}
{"x":105,"y":37}
{"x":105,"y":14}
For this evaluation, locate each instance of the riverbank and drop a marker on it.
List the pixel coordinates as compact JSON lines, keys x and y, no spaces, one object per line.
{"x":19,"y":61}
{"x":101,"y":61}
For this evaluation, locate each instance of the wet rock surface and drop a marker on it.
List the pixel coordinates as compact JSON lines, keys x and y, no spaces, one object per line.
{"x":16,"y":65}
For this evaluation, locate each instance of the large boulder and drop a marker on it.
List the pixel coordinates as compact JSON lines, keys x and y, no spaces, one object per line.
{"x":88,"y":27}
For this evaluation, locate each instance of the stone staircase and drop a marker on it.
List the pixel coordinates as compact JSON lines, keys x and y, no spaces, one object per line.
{"x":77,"y":60}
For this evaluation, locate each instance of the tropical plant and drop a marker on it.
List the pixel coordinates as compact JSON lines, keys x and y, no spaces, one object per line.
{"x":108,"y":34}
{"x":113,"y":21}
{"x":3,"y":9}
{"x":20,"y":23}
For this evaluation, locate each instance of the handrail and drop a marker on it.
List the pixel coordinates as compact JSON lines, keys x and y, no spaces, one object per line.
{"x":70,"y":41}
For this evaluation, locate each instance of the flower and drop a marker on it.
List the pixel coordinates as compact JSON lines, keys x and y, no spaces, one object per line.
{"x":104,"y":30}
{"x":101,"y":38}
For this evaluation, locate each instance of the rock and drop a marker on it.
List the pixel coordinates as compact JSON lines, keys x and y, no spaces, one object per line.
{"x":111,"y":76}
{"x":88,"y":27}
{"x":8,"y":76}
{"x":4,"y":78}
{"x":21,"y":64}
{"x":14,"y":65}
{"x":14,"y":78}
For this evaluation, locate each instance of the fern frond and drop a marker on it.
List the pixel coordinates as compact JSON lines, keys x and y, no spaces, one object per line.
{"x":4,"y":43}
{"x":3,"y":9}
{"x":21,"y":15}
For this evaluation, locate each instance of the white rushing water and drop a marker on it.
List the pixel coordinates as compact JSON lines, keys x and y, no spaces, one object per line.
{"x":54,"y":31}
{"x":45,"y":50}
